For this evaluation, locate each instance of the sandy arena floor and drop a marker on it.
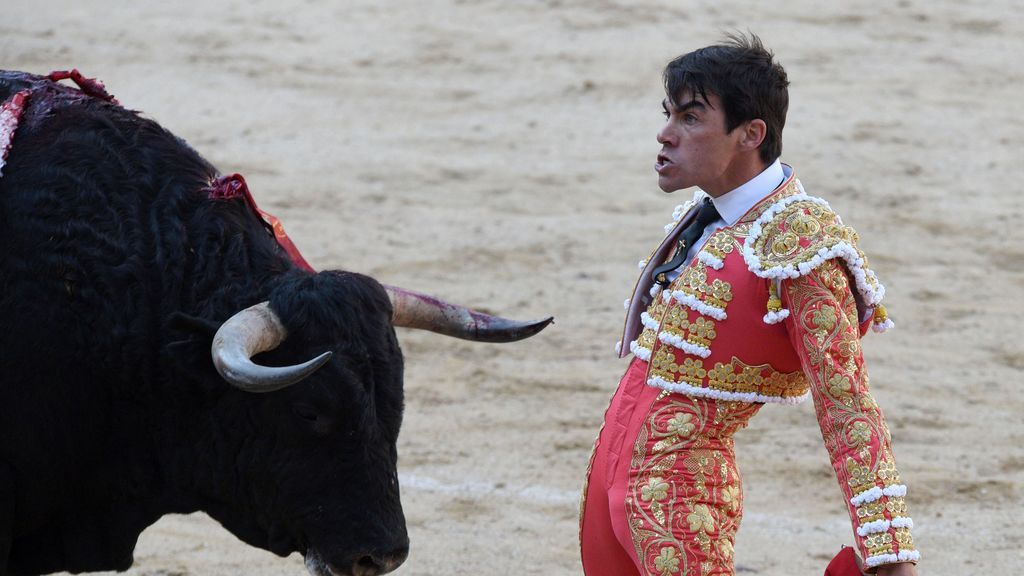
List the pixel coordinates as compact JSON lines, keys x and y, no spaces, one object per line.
{"x":500,"y":154}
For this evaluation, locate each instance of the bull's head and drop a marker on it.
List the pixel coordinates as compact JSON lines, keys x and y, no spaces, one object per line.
{"x":328,"y":483}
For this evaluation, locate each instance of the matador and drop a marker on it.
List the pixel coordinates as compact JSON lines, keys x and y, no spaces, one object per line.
{"x":759,"y":294}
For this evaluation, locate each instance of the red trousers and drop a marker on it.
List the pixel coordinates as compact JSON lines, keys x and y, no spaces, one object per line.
{"x":663,"y":494}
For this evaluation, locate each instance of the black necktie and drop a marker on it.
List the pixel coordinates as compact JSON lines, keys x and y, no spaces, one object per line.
{"x":706,"y":215}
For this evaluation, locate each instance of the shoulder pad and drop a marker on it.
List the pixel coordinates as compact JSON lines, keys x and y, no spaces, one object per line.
{"x":797,"y":234}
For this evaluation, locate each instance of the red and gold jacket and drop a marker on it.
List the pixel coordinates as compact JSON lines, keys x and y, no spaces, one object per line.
{"x":771,"y":310}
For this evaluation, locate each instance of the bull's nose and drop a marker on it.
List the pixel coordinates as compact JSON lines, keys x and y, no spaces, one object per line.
{"x":377,"y":564}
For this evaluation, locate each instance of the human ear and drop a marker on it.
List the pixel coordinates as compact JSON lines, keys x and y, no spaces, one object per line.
{"x":753,"y":134}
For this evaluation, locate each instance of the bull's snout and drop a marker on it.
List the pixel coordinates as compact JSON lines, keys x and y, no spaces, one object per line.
{"x":375,"y":564}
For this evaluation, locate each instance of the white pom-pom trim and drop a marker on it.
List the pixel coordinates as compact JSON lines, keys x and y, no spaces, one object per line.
{"x":618,"y":347}
{"x":701,"y":392}
{"x":694,"y":304}
{"x":776,"y":317}
{"x":639,"y":351}
{"x":902,"y":522}
{"x":625,"y":303}
{"x":903,"y":556}
{"x":655,"y":290}
{"x":874,"y":493}
{"x":872,"y":527}
{"x":710,"y":259}
{"x":879,"y":559}
{"x":883,"y":525}
{"x":684,"y":345}
{"x":844,"y":250}
{"x":895,"y":490}
{"x":909,"y":556}
{"x":882,"y":326}
{"x":649,"y":322}
{"x":681,"y":210}
{"x":641,"y":264}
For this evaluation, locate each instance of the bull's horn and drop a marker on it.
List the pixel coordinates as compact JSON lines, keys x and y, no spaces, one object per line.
{"x":249,"y":332}
{"x":415,"y":310}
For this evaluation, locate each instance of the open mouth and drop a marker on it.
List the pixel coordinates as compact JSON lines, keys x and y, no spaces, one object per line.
{"x":662,"y":162}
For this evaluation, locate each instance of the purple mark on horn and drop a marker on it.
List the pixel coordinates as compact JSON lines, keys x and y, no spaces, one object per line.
{"x":416,"y":310}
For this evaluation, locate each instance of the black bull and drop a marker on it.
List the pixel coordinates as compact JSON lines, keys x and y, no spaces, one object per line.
{"x":117,"y":271}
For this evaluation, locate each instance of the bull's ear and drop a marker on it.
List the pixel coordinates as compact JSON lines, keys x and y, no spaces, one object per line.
{"x":187,"y":348}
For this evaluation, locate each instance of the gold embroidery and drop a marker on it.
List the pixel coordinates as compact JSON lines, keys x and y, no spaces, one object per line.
{"x":663,"y":364}
{"x":825,"y":314}
{"x":656,"y":489}
{"x":702,"y":331}
{"x":896,"y":506}
{"x":694,"y":281}
{"x":685,"y":502}
{"x":799,"y":232}
{"x":861,"y":478}
{"x":786,"y":244}
{"x":700,"y":519}
{"x":667,"y":562}
{"x":720,"y":245}
{"x":860,"y":433}
{"x":870,"y":512}
{"x":681,"y":424}
{"x":880,"y":543}
{"x":903,"y":538}
{"x":803,"y":225}
{"x":737,"y":376}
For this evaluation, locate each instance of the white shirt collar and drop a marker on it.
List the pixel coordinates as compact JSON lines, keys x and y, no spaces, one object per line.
{"x":735,"y":203}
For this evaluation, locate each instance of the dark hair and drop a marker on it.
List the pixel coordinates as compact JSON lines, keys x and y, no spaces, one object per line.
{"x":744,"y":76}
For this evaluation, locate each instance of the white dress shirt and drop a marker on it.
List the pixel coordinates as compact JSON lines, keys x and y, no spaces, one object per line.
{"x":735,"y":203}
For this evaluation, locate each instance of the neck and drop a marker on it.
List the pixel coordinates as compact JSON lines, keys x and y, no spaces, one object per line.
{"x":740,"y":172}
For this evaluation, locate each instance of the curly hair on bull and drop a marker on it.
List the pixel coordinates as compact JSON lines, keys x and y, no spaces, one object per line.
{"x":104,"y":211}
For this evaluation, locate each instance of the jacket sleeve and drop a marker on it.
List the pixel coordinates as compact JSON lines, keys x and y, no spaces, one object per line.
{"x":823,"y":328}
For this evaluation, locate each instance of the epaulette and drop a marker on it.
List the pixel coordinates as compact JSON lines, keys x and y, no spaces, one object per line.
{"x":797,"y":234}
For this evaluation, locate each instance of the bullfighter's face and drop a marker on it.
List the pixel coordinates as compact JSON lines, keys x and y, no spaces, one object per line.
{"x":696,"y":150}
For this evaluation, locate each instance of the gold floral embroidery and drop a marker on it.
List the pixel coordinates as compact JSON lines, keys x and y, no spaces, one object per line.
{"x":700,"y":519}
{"x":860,"y":433}
{"x":656,"y":489}
{"x":737,"y":376}
{"x":786,"y":244}
{"x":667,"y":562}
{"x":870,"y":512}
{"x":825,"y":314}
{"x":681,"y":424}
{"x":880,"y":543}
{"x":720,"y":245}
{"x":903,"y":538}
{"x":801,"y":230}
{"x":685,"y":501}
{"x":664,"y":365}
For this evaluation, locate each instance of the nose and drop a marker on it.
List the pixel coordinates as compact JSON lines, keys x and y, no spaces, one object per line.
{"x":375,"y":564}
{"x":665,"y":135}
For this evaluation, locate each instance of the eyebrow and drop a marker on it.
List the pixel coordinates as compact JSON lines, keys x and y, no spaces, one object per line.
{"x":680,"y":109}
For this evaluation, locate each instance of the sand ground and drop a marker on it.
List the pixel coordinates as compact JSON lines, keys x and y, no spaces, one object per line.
{"x":500,"y":154}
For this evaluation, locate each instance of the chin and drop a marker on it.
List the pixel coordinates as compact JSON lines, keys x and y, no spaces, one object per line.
{"x":669,"y":187}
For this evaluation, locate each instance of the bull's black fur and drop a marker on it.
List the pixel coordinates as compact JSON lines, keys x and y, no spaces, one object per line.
{"x":115,"y":269}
